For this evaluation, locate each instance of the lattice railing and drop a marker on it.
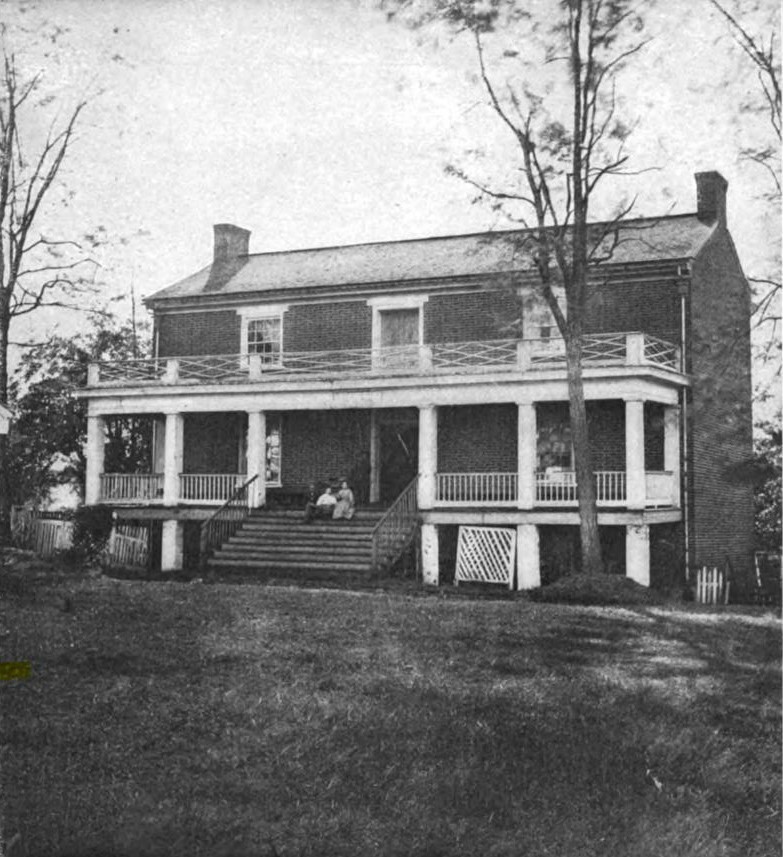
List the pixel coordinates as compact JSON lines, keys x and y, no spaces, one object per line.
{"x":661,"y":353}
{"x":223,"y":523}
{"x":475,"y":357}
{"x":485,"y":555}
{"x":470,"y":489}
{"x":131,"y":487}
{"x":394,"y":531}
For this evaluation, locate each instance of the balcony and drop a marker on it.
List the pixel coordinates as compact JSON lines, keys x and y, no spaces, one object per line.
{"x":480,"y":357}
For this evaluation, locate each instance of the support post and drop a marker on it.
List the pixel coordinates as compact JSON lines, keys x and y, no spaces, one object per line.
{"x":96,"y":444}
{"x":430,"y":563}
{"x":173,"y":451}
{"x":528,"y":559}
{"x":171,"y":543}
{"x":428,"y":455}
{"x":527,"y":449}
{"x":671,"y":449}
{"x":635,"y":487}
{"x":375,"y":458}
{"x":256,"y":457}
{"x":637,"y":553}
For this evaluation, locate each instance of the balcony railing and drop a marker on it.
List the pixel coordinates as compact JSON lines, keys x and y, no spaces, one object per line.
{"x":496,"y":355}
{"x":554,"y":488}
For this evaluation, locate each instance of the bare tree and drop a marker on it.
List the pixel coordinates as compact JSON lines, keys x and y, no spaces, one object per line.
{"x":35,"y":271}
{"x":761,"y":53}
{"x":559,"y":165}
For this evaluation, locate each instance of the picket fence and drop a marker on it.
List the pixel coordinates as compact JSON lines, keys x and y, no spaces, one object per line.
{"x":710,"y":587}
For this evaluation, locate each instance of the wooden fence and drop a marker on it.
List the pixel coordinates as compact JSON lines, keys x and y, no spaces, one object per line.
{"x":711,"y":586}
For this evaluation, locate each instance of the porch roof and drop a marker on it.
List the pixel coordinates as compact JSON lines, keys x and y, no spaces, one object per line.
{"x":645,"y":240}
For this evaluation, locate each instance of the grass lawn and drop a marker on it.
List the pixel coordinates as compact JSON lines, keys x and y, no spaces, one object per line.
{"x":187,"y":719}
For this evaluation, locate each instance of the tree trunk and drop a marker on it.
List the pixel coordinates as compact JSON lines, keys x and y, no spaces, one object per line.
{"x":5,"y":488}
{"x":585,"y":479}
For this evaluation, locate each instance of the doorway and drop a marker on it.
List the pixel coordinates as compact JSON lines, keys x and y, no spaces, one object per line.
{"x":399,"y":452}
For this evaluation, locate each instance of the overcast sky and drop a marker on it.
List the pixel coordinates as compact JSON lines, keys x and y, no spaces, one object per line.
{"x":317,"y":122}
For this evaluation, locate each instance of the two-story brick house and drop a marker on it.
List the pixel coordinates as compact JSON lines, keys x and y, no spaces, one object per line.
{"x":430,"y":374}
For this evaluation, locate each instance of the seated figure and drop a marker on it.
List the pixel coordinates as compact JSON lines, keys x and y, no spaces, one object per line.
{"x":323,"y":507}
{"x":346,"y":505}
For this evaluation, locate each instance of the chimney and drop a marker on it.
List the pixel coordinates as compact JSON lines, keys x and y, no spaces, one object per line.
{"x":711,"y":197}
{"x":230,"y":242}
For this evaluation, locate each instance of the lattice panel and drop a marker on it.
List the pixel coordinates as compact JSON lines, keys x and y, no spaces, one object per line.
{"x":485,"y":555}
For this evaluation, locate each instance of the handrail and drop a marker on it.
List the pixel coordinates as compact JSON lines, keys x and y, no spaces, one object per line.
{"x":392,"y":533}
{"x":225,"y":526}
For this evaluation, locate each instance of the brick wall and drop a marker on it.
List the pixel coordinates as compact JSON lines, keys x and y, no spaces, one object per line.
{"x":317,"y":446}
{"x":652,"y":308}
{"x":479,"y":438}
{"x":188,"y":333}
{"x":720,"y":413}
{"x":465,"y":317}
{"x":212,"y":443}
{"x":327,"y":326}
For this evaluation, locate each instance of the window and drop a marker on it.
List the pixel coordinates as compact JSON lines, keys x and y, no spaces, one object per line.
{"x":397,"y":330}
{"x":265,"y":337}
{"x":262,"y":332}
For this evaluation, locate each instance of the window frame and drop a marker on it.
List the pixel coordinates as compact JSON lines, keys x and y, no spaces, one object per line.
{"x":393,"y":302}
{"x":248,"y":315}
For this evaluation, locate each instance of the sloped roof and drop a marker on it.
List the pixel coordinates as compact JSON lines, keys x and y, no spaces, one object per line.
{"x":644,"y":240}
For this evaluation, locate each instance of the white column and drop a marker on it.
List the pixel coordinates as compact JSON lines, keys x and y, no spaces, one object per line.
{"x":96,"y":444}
{"x":637,"y":553}
{"x":158,"y":448}
{"x":256,"y":457}
{"x":671,"y":449}
{"x":526,"y":455}
{"x":430,"y":570}
{"x":635,"y":488}
{"x":172,"y":465}
{"x":171,"y":546}
{"x":428,"y":455}
{"x":375,"y":458}
{"x":528,"y":562}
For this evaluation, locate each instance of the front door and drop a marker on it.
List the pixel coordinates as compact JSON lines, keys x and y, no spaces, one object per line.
{"x":399,"y":454}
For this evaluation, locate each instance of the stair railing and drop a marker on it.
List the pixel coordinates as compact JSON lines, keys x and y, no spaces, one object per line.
{"x":396,"y":528}
{"x":222,"y":524}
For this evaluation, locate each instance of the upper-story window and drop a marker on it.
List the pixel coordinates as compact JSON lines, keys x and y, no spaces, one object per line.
{"x":397,"y":329}
{"x":262,"y":332}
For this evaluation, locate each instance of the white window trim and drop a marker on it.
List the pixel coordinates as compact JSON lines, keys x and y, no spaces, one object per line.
{"x":260,"y":313}
{"x":377,"y":305}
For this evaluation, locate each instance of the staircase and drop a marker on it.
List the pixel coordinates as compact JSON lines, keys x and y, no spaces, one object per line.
{"x":279,"y":541}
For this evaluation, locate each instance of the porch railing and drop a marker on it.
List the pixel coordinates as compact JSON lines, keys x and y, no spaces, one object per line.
{"x":208,"y":487}
{"x":470,"y":489}
{"x":659,"y":488}
{"x":131,"y":487}
{"x":471,"y":357}
{"x":558,"y":487}
{"x":395,"y":530}
{"x":223,"y":523}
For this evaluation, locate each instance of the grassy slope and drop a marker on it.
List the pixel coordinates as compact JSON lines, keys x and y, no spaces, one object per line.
{"x":190,"y":719}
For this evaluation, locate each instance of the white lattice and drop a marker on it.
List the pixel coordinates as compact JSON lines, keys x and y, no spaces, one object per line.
{"x":485,"y":555}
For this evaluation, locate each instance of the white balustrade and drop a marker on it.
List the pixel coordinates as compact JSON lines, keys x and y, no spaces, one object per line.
{"x":131,"y":487}
{"x":208,"y":488}
{"x":659,"y":488}
{"x":476,"y":489}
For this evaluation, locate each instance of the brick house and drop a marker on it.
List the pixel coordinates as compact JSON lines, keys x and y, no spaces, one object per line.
{"x":430,"y":374}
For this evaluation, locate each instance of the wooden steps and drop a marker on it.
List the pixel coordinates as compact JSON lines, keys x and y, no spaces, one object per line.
{"x":272,"y":541}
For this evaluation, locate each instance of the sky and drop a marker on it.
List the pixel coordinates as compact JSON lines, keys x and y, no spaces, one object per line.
{"x":318,"y":123}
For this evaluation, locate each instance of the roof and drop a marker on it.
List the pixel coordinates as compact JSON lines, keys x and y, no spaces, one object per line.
{"x":673,"y":237}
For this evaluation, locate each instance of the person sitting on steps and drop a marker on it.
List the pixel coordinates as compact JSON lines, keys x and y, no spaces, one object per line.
{"x":323,"y":507}
{"x":346,"y":505}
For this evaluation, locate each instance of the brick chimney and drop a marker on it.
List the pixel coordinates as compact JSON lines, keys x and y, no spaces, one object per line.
{"x":711,"y":197}
{"x":230,"y":242}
